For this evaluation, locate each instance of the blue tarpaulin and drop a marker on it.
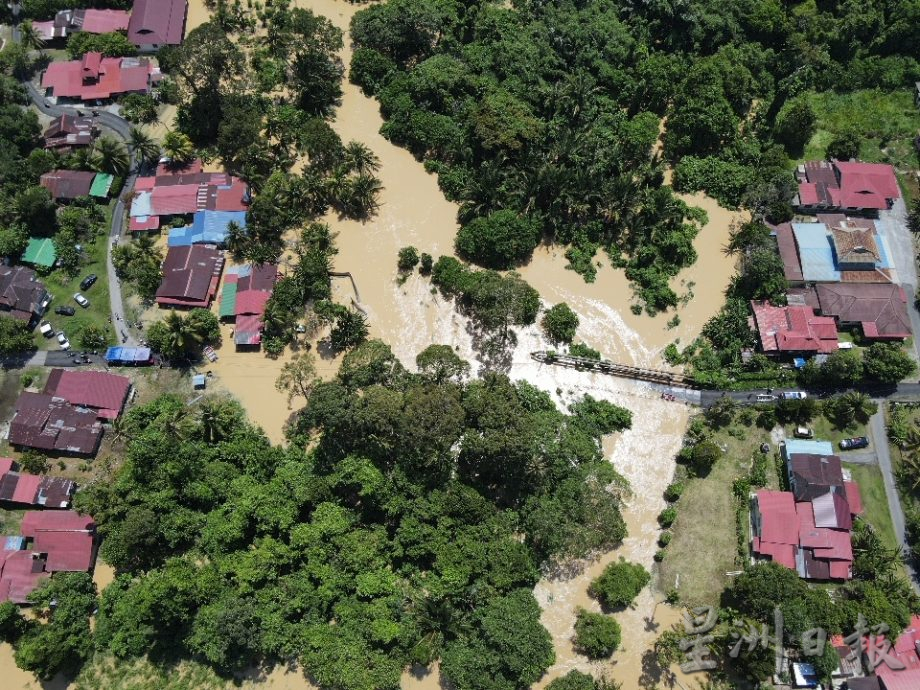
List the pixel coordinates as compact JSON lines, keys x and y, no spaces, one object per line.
{"x":127,"y":355}
{"x":208,"y":227}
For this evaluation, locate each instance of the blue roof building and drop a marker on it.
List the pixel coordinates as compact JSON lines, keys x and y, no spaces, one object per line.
{"x":208,"y":227}
{"x":796,"y":446}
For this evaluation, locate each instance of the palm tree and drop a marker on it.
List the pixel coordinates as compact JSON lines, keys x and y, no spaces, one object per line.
{"x":862,"y":405}
{"x":179,"y":337}
{"x":112,"y":156}
{"x":143,"y":145}
{"x":360,"y":159}
{"x":237,"y":240}
{"x":30,"y":37}
{"x":178,"y":147}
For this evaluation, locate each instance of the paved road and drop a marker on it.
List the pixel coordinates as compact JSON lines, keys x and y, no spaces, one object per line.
{"x":900,"y":242}
{"x":880,"y":438}
{"x":121,"y":128}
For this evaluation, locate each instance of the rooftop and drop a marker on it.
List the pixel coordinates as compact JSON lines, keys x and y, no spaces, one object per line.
{"x":40,"y":252}
{"x":22,"y":294}
{"x":793,"y":329}
{"x":47,"y":423}
{"x":157,"y":22}
{"x":190,"y":275}
{"x":104,"y":392}
{"x":95,"y":77}
{"x":879,"y":308}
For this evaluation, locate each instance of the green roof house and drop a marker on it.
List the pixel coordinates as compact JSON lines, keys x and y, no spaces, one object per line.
{"x":40,"y":252}
{"x":101,"y":185}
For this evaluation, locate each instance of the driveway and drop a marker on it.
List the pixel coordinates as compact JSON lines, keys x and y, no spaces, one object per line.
{"x":900,"y":242}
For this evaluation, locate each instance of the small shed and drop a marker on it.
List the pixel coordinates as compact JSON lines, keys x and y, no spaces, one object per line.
{"x":102,"y":183}
{"x":40,"y":252}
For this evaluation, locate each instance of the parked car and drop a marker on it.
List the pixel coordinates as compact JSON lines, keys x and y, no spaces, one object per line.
{"x":65,"y":311}
{"x":853,"y":443}
{"x":88,"y":281}
{"x":81,"y":300}
{"x":45,"y":329}
{"x":794,"y":395}
{"x":804,"y":432}
{"x":62,"y":341}
{"x":765,"y":398}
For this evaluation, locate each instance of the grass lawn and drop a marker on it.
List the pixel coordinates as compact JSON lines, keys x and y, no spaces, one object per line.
{"x":704,"y":543}
{"x":888,"y":121}
{"x":875,"y":502}
{"x":826,"y":431}
{"x":10,"y":521}
{"x":63,"y":289}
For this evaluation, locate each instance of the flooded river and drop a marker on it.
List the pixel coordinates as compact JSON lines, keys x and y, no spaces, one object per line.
{"x":410,"y":316}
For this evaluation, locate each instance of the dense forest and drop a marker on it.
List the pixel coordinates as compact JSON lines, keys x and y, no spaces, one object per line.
{"x":406,"y":521}
{"x":551,"y":110}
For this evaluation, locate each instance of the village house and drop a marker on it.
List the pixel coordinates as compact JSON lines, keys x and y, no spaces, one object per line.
{"x":19,"y":489}
{"x":22,"y":295}
{"x":91,"y":21}
{"x":851,"y":187}
{"x":50,"y":542}
{"x":793,"y":330}
{"x":243,"y":297}
{"x":191,"y":275}
{"x":67,"y":185}
{"x":100,"y":391}
{"x":808,"y":529}
{"x":157,"y":23}
{"x":53,"y":425}
{"x":184,"y":191}
{"x":39,"y":253}
{"x":208,"y":227}
{"x":97,"y":78}
{"x":69,"y":132}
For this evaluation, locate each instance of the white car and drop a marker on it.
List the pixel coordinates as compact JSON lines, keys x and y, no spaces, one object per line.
{"x":795,"y":395}
{"x":81,"y":300}
{"x":45,"y":329}
{"x":62,"y":341}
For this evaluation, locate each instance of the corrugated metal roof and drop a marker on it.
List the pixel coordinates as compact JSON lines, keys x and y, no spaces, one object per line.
{"x":798,"y":445}
{"x":101,"y":185}
{"x":228,"y":300}
{"x":40,"y":252}
{"x":815,"y":252}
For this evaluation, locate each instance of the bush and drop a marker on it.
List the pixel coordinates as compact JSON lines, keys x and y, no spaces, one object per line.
{"x":499,"y":240}
{"x":704,"y":456}
{"x":408,"y":258}
{"x":596,"y":636}
{"x":582,"y":350}
{"x":725,"y":181}
{"x":619,"y":584}
{"x":34,"y":462}
{"x":674,"y":491}
{"x":667,"y":516}
{"x":370,"y":70}
{"x":92,"y":338}
{"x":664,"y":539}
{"x":560,"y":323}
{"x":888,"y":362}
{"x":426,"y":263}
{"x":139,"y":108}
{"x":659,"y":556}
{"x":844,"y":146}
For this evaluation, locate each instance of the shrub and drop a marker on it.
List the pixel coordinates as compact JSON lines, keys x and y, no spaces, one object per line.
{"x":659,"y":556}
{"x":667,"y":516}
{"x":664,"y":539}
{"x":408,"y":258}
{"x":674,"y":491}
{"x":596,"y":635}
{"x":582,"y":350}
{"x":704,"y":456}
{"x":427,"y":261}
{"x":559,"y":323}
{"x":619,"y":584}
{"x":34,"y":462}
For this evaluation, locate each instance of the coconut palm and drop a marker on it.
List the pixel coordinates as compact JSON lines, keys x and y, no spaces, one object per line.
{"x":111,"y":156}
{"x":237,"y":240}
{"x":30,"y":37}
{"x":359,"y":158}
{"x":178,"y":147}
{"x":143,"y":145}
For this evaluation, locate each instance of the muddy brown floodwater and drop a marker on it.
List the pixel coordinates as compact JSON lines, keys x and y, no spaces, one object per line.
{"x":410,"y":316}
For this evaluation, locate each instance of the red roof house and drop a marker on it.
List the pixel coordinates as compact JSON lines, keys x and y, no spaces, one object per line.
{"x":66,"y":185}
{"x":96,"y":77}
{"x":100,"y":21}
{"x":775,"y":534}
{"x":793,"y":329}
{"x":52,"y":424}
{"x":22,"y":295}
{"x":104,"y":392}
{"x":156,"y":23}
{"x":20,"y":573}
{"x":906,"y":650}
{"x":67,"y":538}
{"x":880,"y":309}
{"x":846,"y":186}
{"x":190,"y":276}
